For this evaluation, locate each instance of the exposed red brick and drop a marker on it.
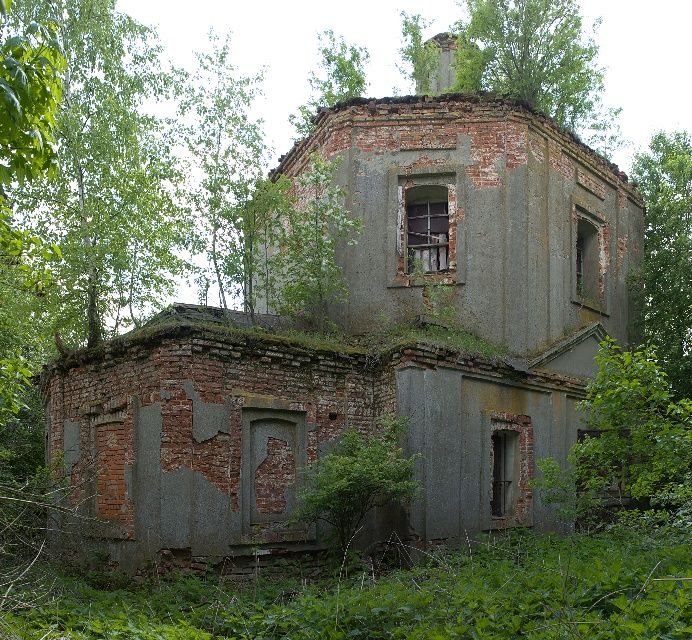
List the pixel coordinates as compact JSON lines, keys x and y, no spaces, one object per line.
{"x":559,"y":161}
{"x":591,"y":184}
{"x":537,"y":145}
{"x":334,"y":390}
{"x":273,"y":476}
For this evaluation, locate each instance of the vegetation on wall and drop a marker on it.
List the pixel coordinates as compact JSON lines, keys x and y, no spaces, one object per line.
{"x":226,"y":160}
{"x":536,"y":51}
{"x":420,"y":57}
{"x":306,"y":271}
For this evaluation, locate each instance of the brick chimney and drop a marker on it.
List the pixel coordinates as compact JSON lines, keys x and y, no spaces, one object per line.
{"x":446,"y":76}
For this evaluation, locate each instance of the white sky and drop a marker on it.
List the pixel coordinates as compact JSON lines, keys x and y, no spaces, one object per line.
{"x":644,"y":46}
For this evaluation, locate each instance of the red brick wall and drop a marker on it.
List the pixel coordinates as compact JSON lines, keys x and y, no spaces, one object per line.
{"x":276,"y":474}
{"x":111,"y":498}
{"x":335,"y":390}
{"x":498,"y":128}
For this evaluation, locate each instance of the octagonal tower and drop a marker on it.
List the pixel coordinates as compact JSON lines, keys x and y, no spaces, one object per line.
{"x":533,"y":232}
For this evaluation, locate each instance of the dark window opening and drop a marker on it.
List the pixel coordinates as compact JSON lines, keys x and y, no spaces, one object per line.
{"x":427,"y":229}
{"x":587,"y":273}
{"x":504,"y":473}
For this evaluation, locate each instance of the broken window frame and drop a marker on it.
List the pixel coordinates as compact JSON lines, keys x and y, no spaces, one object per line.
{"x":590,"y":289}
{"x":586,"y":266}
{"x":433,"y":252}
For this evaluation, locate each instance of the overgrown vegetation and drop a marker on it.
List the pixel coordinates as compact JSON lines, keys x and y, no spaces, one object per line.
{"x":308,"y":278}
{"x":30,"y":82}
{"x":664,"y":177}
{"x":606,"y":587}
{"x":341,"y":76}
{"x":361,"y":473}
{"x":110,"y":205}
{"x":536,"y":51}
{"x":420,"y":57}
{"x":636,"y":461}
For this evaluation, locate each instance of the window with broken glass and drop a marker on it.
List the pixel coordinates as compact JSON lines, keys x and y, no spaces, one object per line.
{"x":427,"y":227}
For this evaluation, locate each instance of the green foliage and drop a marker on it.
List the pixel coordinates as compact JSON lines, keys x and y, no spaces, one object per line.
{"x":258,"y":227}
{"x":644,"y":447}
{"x":536,"y":51}
{"x":30,"y":89}
{"x":14,"y":377}
{"x":572,"y":500}
{"x":664,"y":177}
{"x":309,"y":277}
{"x":420,"y":57}
{"x":342,"y":77}
{"x":226,"y":186}
{"x":21,"y":443}
{"x":360,"y":473}
{"x":542,"y":588}
{"x":111,"y":208}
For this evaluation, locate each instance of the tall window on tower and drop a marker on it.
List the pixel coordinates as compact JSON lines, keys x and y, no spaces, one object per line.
{"x":427,"y":228}
{"x":586,"y":253}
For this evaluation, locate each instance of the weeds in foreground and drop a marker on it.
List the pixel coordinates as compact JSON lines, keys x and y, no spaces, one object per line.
{"x":542,"y":587}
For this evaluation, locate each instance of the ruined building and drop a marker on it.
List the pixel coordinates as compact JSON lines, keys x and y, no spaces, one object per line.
{"x":188,"y":436}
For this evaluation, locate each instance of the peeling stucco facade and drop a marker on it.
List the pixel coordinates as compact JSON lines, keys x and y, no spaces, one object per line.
{"x":189,"y":439}
{"x":516,"y":185}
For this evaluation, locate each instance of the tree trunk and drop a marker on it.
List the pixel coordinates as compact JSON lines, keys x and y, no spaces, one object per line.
{"x":94,"y":326}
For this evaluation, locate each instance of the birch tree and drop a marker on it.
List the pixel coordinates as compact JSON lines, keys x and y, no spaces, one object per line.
{"x":111,"y":208}
{"x":228,"y":154}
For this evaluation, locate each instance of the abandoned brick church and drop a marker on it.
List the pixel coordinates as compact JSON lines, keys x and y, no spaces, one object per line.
{"x":188,"y":436}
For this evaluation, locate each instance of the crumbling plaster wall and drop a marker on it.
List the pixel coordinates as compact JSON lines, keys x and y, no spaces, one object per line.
{"x":168,"y":441}
{"x":454,"y":406}
{"x":518,"y":183}
{"x":190,"y":441}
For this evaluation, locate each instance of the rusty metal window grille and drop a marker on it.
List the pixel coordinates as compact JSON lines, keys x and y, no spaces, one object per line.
{"x":428,"y":236}
{"x":504,"y":452}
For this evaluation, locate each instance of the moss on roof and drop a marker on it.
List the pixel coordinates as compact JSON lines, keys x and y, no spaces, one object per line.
{"x":180,"y":320}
